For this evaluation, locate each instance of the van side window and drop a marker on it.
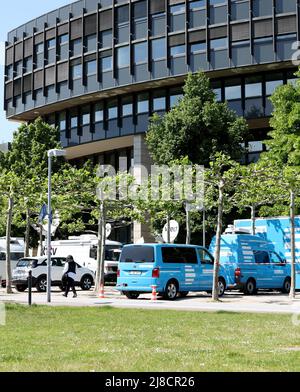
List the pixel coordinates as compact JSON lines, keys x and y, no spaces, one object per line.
{"x":205,"y":257}
{"x":179,"y":255}
{"x":275,"y":258}
{"x":261,"y":257}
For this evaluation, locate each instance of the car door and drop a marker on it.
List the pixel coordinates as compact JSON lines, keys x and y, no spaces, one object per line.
{"x":264,"y":272}
{"x":58,"y":264}
{"x":206,"y":269}
{"x":278,"y":267}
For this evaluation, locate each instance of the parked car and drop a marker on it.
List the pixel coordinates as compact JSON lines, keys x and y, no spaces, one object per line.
{"x":249,"y":263}
{"x":38,"y":265}
{"x":172,"y":269}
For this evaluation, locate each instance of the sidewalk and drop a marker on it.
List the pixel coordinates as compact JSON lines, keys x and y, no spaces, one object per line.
{"x":264,"y":302}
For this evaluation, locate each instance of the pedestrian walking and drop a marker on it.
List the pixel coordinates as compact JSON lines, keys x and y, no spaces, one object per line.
{"x":69,"y":276}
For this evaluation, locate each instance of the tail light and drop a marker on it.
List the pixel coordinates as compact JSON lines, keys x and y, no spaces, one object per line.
{"x":118,"y":273}
{"x":155,"y":273}
{"x":237,"y":273}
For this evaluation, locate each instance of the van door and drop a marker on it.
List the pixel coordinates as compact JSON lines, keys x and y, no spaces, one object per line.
{"x":278,"y":267}
{"x":264,"y":271}
{"x":206,"y":269}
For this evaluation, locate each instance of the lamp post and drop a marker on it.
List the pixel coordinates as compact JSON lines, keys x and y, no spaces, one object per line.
{"x":51,"y":153}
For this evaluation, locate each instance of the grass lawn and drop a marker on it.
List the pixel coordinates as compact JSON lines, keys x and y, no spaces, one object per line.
{"x":107,"y":339}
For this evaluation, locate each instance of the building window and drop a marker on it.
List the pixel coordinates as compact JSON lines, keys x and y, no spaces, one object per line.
{"x":140,"y":53}
{"x":178,"y":50}
{"x":76,"y":71}
{"x":63,"y":49}
{"x":175,"y":96}
{"x":28,"y":64}
{"x":262,"y":8}
{"x":112,"y":110}
{"x":39,"y":51}
{"x":86,"y":116}
{"x":177,"y":17}
{"x":272,"y":82}
{"x":142,"y":103}
{"x":51,"y":50}
{"x":140,"y":19}
{"x":9,"y":72}
{"x":284,"y":6}
{"x":219,"y":43}
{"x":123,"y":24}
{"x":158,"y":23}
{"x":18,"y":68}
{"x":91,"y":67}
{"x":62,"y":122}
{"x":123,"y":57}
{"x":76,"y":47}
{"x":99,"y":113}
{"x":197,"y":13}
{"x":159,"y":101}
{"x":91,"y":43}
{"x":239,"y":9}
{"x":198,"y":47}
{"x":158,"y":49}
{"x":253,"y":97}
{"x":218,"y":11}
{"x":106,"y":64}
{"x":127,"y":106}
{"x":217,"y":87}
{"x":233,"y":95}
{"x":106,"y":39}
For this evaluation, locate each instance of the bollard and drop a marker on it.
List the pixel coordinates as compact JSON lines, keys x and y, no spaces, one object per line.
{"x":101,"y":294}
{"x":154,"y":293}
{"x":29,"y":279}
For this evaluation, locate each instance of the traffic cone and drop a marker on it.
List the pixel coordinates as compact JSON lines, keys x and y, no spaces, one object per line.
{"x":101,"y":293}
{"x":154,"y":293}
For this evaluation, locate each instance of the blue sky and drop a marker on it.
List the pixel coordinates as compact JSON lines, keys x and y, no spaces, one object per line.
{"x":13,"y":14}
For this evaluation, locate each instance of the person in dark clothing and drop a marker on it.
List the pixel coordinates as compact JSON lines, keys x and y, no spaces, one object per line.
{"x":69,"y":276}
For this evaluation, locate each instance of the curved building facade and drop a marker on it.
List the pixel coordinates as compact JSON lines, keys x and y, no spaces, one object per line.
{"x":98,"y":69}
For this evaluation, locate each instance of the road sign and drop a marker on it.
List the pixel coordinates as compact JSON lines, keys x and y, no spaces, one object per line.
{"x":174,"y":231}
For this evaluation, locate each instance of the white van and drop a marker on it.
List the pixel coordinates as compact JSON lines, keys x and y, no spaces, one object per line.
{"x":83,"y":248}
{"x":16,"y":252}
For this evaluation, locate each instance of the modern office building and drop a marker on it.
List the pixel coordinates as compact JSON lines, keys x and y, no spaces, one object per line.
{"x":98,"y":68}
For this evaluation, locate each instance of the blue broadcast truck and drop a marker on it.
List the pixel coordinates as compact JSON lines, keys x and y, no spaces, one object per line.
{"x":277,"y":231}
{"x":250,"y":263}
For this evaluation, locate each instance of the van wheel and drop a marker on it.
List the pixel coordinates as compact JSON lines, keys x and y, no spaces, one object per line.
{"x":21,"y":287}
{"x":131,"y":294}
{"x":286,"y":288}
{"x":183,"y":294}
{"x":221,"y":287}
{"x":171,"y":290}
{"x":86,"y":283}
{"x":250,"y":287}
{"x":41,"y":284}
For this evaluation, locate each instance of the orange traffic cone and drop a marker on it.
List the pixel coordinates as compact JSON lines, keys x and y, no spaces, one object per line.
{"x":101,"y":293}
{"x":154,"y":293}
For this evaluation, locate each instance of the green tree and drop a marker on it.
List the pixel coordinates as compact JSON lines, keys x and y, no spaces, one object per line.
{"x":197,"y":127}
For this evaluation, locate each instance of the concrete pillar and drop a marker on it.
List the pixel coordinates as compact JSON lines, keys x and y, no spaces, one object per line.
{"x":141,"y":160}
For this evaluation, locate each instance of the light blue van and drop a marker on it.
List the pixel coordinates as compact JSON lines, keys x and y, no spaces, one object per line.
{"x":250,"y":263}
{"x":174,"y":269}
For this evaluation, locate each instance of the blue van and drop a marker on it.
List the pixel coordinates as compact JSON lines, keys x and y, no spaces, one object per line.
{"x":174,"y":269}
{"x":250,"y":263}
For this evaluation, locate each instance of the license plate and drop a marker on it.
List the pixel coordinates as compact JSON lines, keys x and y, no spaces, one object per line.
{"x":135,"y":272}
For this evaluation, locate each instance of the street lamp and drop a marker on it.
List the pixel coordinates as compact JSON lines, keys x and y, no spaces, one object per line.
{"x":51,"y":153}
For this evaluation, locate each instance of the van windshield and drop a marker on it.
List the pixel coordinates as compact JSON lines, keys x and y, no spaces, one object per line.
{"x":27,"y":263}
{"x":137,"y":254}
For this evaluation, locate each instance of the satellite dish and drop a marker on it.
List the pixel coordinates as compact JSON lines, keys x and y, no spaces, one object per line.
{"x":174,"y":231}
{"x":108,"y":229}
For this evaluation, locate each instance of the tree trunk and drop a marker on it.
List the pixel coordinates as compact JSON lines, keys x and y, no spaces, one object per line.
{"x":292,"y":230}
{"x":99,"y":248}
{"x":215,"y":294}
{"x":253,"y":213}
{"x":41,"y":240}
{"x":188,"y":226}
{"x":26,"y":249}
{"x":8,"y":235}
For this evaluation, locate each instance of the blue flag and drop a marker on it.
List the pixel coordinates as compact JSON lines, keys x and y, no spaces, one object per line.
{"x":43,"y":213}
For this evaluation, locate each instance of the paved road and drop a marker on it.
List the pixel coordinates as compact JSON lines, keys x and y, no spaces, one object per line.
{"x":264,"y":302}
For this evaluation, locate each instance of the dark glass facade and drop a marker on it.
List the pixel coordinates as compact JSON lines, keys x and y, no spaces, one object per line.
{"x":98,"y":68}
